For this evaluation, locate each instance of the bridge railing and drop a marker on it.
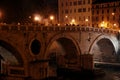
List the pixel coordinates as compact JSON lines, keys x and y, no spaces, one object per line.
{"x":56,"y":28}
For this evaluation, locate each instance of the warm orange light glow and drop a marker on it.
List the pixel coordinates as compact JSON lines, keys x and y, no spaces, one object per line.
{"x":119,"y":31}
{"x":113,"y":13}
{"x":103,"y":24}
{"x":51,"y":17}
{"x":66,"y":16}
{"x":37,"y":18}
{"x":73,"y":21}
{"x":86,"y":20}
{"x":114,"y":24}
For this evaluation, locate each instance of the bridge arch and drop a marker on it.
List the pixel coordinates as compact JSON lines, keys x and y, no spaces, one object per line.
{"x":63,"y":49}
{"x":104,"y":48}
{"x":66,"y":40}
{"x":10,"y":54}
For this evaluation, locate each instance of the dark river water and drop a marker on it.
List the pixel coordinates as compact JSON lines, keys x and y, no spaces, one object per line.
{"x":112,"y":72}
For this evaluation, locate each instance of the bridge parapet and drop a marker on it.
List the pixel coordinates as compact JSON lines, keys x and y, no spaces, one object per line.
{"x":56,"y":28}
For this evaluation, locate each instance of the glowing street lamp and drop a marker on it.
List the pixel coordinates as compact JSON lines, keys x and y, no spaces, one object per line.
{"x":115,"y":24}
{"x":37,"y":18}
{"x":66,"y":19}
{"x":102,"y":24}
{"x":66,"y":16}
{"x":52,"y":18}
{"x":73,"y":20}
{"x":86,"y":20}
{"x":113,"y":13}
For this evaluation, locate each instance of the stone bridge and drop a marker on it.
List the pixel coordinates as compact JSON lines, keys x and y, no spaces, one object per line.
{"x":33,"y":51}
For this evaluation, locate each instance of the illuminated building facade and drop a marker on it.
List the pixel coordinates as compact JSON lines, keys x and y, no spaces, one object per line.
{"x":77,"y":12}
{"x":106,"y":13}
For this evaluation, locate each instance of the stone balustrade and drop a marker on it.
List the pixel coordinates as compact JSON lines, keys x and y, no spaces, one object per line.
{"x":56,"y":28}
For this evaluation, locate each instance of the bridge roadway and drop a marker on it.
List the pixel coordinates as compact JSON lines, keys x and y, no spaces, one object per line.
{"x":35,"y":51}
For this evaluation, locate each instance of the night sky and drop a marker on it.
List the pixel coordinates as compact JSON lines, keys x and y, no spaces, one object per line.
{"x":20,"y":10}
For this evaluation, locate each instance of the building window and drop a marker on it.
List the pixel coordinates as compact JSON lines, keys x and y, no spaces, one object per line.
{"x":108,"y":11}
{"x":66,"y":11}
{"x":74,"y":10}
{"x":114,"y":4}
{"x":102,"y":6}
{"x":89,"y":9}
{"x":102,"y":18}
{"x":70,"y":3}
{"x":79,"y":10}
{"x":97,"y":6}
{"x":92,"y":12}
{"x":97,"y":12}
{"x":102,"y":11}
{"x":79,"y":2}
{"x":62,"y":4}
{"x":114,"y":10}
{"x":83,"y":1}
{"x":84,"y":9}
{"x":75,"y":3}
{"x":96,"y":18}
{"x":66,"y":4}
{"x":88,"y":1}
